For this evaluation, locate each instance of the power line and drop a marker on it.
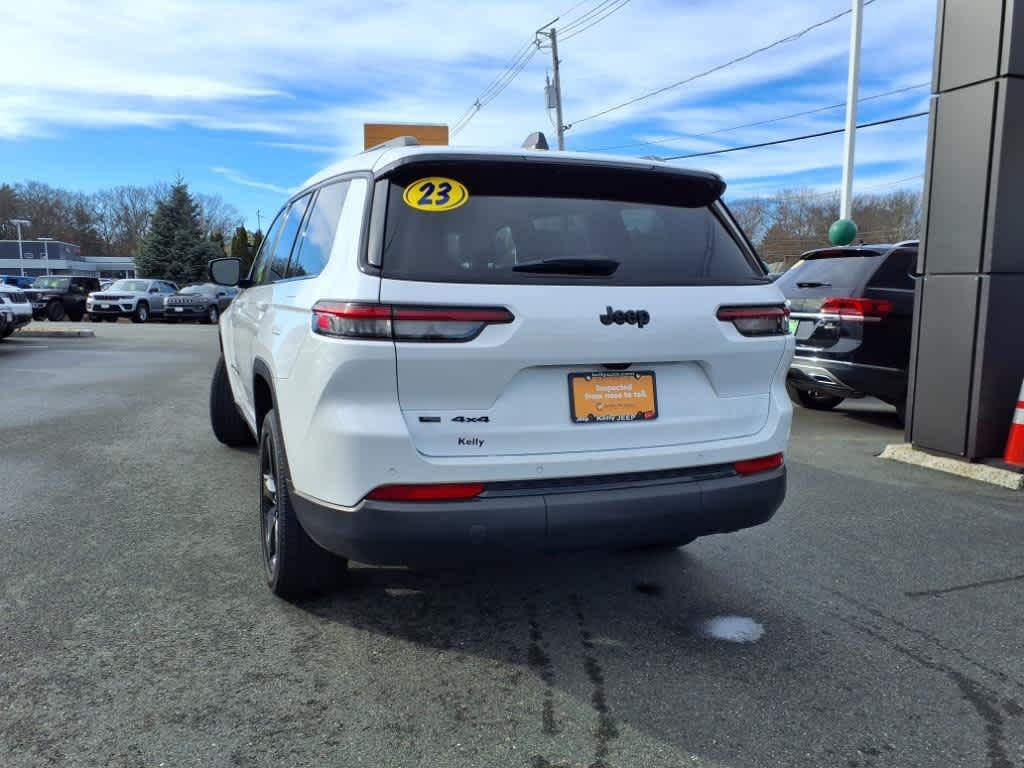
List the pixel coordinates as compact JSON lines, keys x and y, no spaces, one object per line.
{"x":583,"y":18}
{"x":788,"y":39}
{"x":489,"y":94}
{"x":517,"y":65}
{"x":576,"y":30}
{"x":755,"y":124}
{"x":794,"y":138}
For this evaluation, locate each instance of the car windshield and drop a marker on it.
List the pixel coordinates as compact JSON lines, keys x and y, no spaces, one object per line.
{"x":55,"y":283}
{"x":193,"y":289}
{"x":130,"y":285}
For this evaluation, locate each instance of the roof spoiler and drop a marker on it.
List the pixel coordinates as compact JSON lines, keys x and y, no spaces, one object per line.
{"x":536,"y":140}
{"x":398,"y":141}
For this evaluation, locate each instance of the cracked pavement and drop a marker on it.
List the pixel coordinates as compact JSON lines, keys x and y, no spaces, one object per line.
{"x":135,"y":630}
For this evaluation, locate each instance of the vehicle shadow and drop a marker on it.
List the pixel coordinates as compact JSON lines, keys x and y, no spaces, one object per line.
{"x":880,"y":418}
{"x":621,"y":633}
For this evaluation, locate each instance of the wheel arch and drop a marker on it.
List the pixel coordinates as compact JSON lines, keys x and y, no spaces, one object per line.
{"x":263,"y":394}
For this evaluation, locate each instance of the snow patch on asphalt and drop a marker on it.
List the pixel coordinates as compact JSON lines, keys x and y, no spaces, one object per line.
{"x":735,"y":629}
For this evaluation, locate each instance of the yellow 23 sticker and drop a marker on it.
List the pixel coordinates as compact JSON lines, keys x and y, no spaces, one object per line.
{"x":435,"y":194}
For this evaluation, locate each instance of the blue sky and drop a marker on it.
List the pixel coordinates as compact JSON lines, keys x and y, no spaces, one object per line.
{"x":247,"y":99}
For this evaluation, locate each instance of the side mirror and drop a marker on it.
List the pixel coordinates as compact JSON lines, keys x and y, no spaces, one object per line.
{"x":226,"y":271}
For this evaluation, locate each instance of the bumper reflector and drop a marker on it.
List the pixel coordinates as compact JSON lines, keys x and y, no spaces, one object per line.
{"x":763,"y":464}
{"x":443,"y":492}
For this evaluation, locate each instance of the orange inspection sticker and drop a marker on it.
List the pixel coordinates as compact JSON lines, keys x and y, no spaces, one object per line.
{"x":435,"y":194}
{"x":600,"y":396}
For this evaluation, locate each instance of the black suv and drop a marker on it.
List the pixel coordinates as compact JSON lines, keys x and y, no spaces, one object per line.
{"x":59,"y":296}
{"x":851,"y":310}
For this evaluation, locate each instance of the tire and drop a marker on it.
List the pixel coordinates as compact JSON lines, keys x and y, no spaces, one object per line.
{"x":111,"y":319}
{"x":95,"y":318}
{"x":228,"y":425}
{"x":212,"y":316}
{"x":815,"y":400}
{"x":55,"y":312}
{"x":293,"y":564}
{"x":141,"y":313}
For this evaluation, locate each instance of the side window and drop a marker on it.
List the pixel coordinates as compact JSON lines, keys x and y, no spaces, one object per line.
{"x":278,"y":266}
{"x":895,"y":271}
{"x":259,"y":264}
{"x":313,"y":248}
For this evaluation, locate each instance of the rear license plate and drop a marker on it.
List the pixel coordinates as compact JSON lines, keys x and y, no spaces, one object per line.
{"x":603,"y":396}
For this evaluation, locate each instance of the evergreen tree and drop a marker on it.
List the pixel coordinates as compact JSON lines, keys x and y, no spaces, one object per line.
{"x":257,"y":239}
{"x":240,"y":249}
{"x":174,"y":247}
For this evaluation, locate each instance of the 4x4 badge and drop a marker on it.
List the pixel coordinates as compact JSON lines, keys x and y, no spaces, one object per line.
{"x":471,"y":420}
{"x":637,"y":317}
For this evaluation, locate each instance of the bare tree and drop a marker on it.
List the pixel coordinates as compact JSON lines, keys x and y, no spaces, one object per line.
{"x":216,"y":216}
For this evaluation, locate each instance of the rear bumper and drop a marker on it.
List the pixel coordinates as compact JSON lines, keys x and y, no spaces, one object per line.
{"x":847,"y":379}
{"x":624,"y":514}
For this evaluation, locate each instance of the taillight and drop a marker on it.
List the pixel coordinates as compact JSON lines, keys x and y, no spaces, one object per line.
{"x":856,"y":309}
{"x":442,"y":492}
{"x":763,"y":464}
{"x":757,"y":321}
{"x":404,"y":323}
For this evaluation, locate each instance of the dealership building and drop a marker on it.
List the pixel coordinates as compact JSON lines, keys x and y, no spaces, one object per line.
{"x":53,"y":257}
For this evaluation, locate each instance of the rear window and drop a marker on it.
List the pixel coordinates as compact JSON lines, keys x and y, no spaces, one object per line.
{"x":523,"y":214}
{"x":831,"y":276}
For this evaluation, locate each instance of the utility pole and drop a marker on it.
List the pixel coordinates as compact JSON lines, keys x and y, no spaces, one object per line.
{"x":21,"y":256}
{"x":259,"y":226}
{"x":846,"y":195}
{"x":558,"y":88}
{"x":552,"y":35}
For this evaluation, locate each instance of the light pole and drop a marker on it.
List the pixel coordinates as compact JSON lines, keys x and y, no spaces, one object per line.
{"x":848,"y":229}
{"x":46,"y":252}
{"x":21,"y":257}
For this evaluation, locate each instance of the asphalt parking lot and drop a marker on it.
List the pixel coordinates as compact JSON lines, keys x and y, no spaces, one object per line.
{"x":881,"y":607}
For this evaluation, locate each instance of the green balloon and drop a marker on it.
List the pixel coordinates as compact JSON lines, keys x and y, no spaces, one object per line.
{"x":842,"y":232}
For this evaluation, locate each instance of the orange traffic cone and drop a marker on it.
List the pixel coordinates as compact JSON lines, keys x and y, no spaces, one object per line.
{"x":1015,"y":444}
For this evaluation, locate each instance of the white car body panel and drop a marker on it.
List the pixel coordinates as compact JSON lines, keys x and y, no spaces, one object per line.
{"x":350,"y":409}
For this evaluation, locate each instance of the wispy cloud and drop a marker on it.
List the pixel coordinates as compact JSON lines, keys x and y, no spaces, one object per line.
{"x":237,"y":177}
{"x":313,"y":71}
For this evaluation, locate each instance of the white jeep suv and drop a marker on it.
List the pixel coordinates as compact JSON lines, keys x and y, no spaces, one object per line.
{"x":462,"y":353}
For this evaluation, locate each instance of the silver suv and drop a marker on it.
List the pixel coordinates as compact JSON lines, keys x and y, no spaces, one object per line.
{"x":135,"y":298}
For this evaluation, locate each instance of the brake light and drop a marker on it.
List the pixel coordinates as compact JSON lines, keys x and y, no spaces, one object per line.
{"x":757,"y":321}
{"x":763,"y":464}
{"x":442,"y":492}
{"x":404,"y":323}
{"x":856,"y":309}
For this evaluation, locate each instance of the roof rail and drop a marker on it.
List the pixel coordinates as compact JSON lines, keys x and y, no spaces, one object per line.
{"x":398,"y":141}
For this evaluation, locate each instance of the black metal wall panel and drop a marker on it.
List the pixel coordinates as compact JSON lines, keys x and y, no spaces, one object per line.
{"x":1004,"y":245}
{"x":998,"y":363}
{"x":1013,"y":30}
{"x":970,"y":35}
{"x":949,"y":305}
{"x":959,"y":179}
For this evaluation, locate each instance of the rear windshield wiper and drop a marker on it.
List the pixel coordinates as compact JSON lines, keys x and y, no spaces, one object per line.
{"x":814,"y":285}
{"x":598,"y":267}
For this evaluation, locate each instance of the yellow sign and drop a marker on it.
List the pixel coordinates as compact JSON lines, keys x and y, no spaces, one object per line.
{"x":435,"y":194}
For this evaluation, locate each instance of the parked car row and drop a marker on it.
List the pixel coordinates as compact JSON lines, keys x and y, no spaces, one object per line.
{"x":60,"y":297}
